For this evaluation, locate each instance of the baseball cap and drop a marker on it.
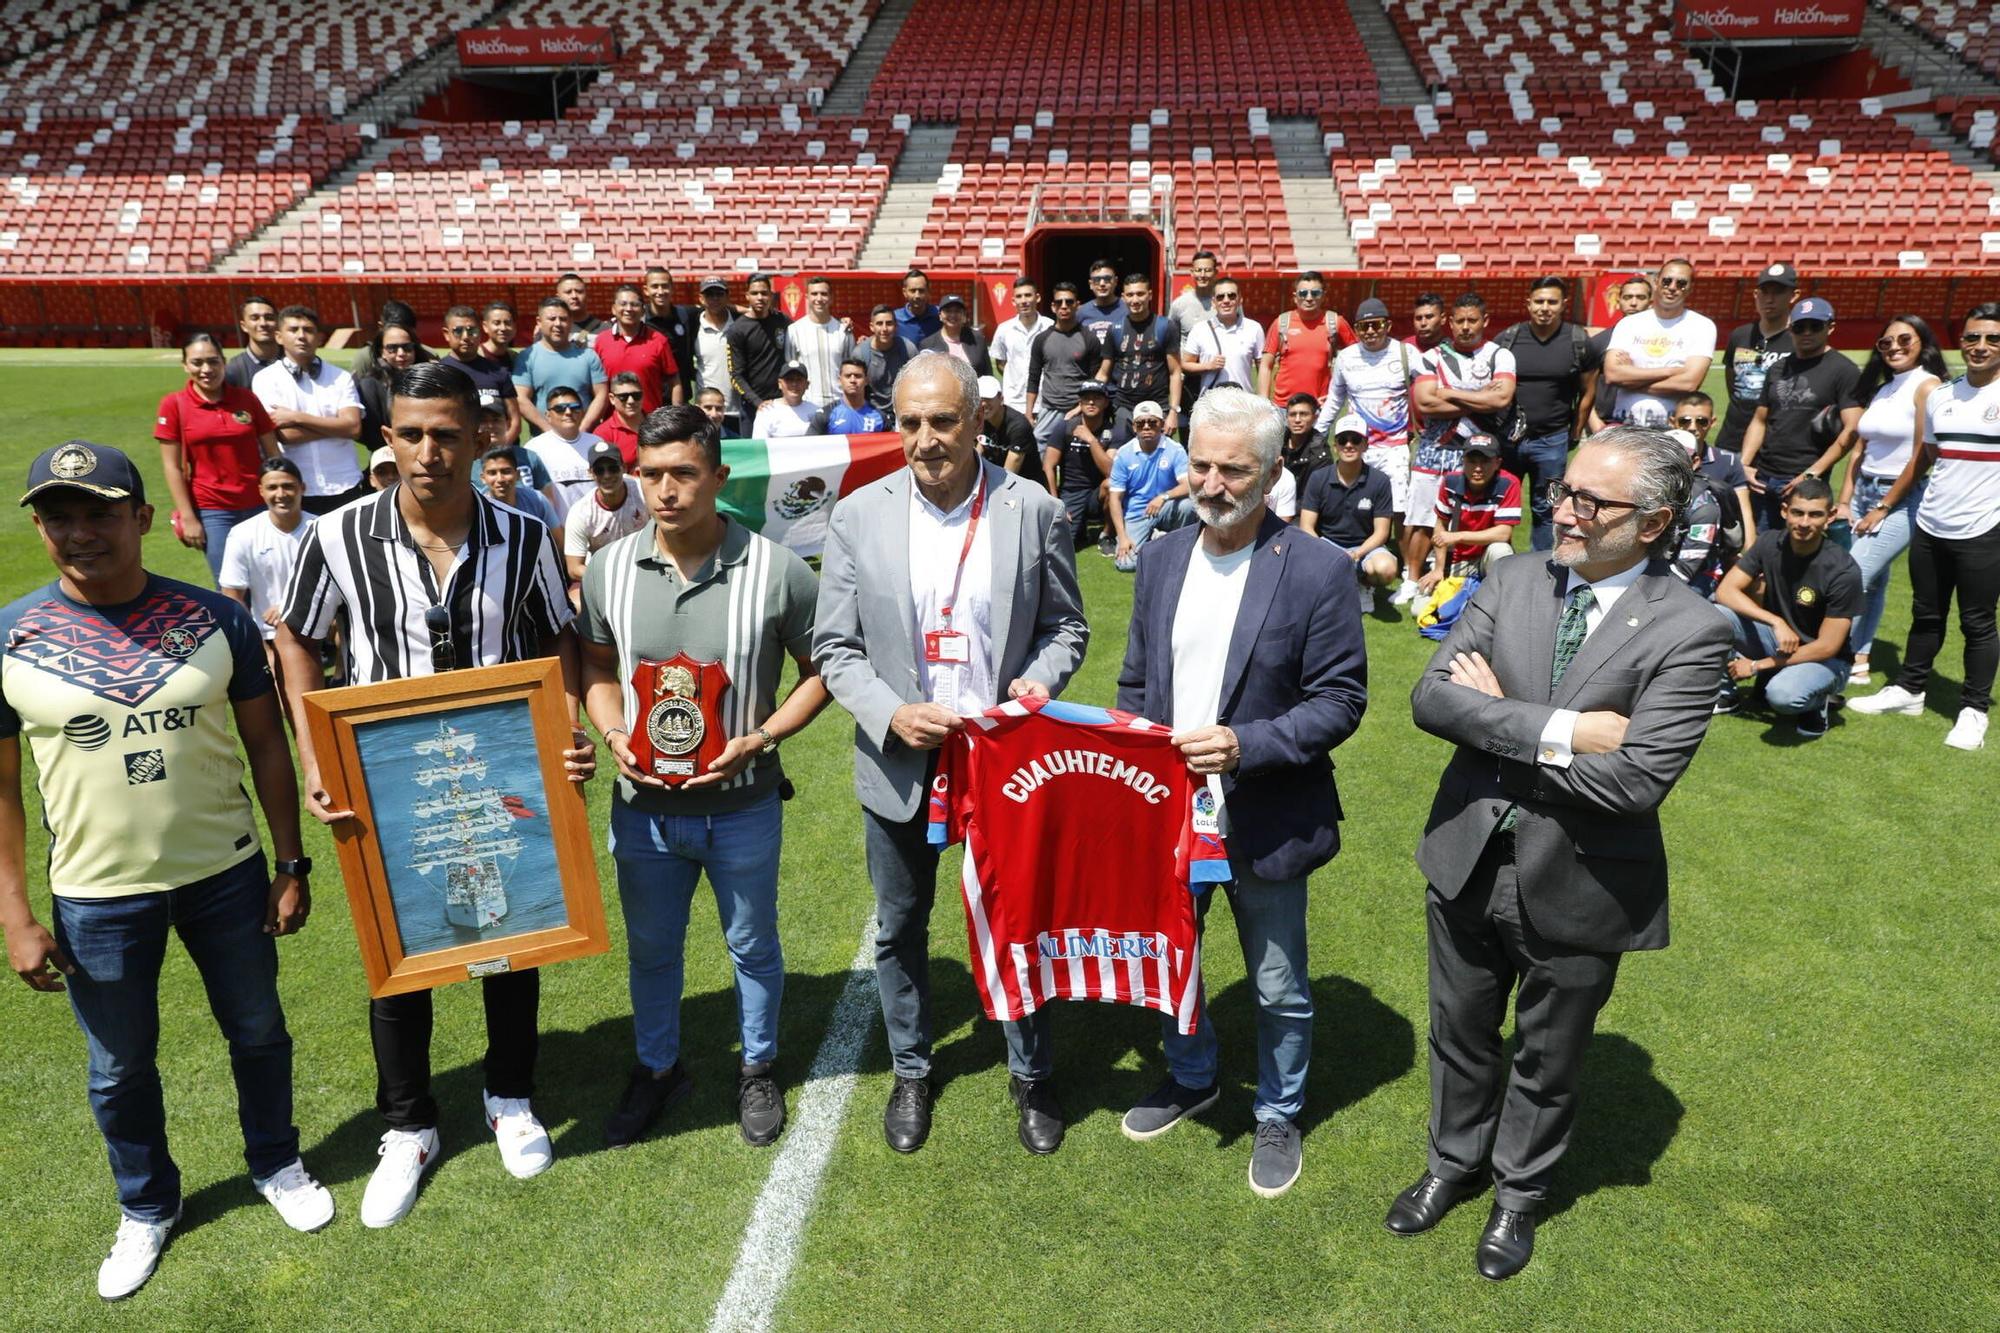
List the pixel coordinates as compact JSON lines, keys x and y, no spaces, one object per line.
{"x":1372,"y":308}
{"x":1482,"y":443}
{"x":793,"y":368}
{"x":1813,"y":307}
{"x":1148,"y":410}
{"x":604,"y":449}
{"x":1779,"y":274}
{"x":81,"y":465}
{"x":1102,"y":388}
{"x":1687,"y":441}
{"x":383,"y":455}
{"x":989,"y":387}
{"x":1350,"y":425}
{"x":953,"y":299}
{"x":714,"y":284}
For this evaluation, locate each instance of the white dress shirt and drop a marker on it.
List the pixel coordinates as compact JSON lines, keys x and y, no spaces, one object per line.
{"x":936,"y":538}
{"x":1556,"y":749}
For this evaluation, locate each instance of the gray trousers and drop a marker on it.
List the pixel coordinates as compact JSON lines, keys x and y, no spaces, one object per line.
{"x":1481,"y":945}
{"x":903,"y":867}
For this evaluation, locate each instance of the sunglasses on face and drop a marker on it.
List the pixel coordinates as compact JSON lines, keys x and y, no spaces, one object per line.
{"x":1975,"y":339}
{"x":1063,"y":302}
{"x":1373,"y":326}
{"x":1310,"y":293}
{"x":1895,"y":342}
{"x":1096,"y":278}
{"x":463,"y":331}
{"x":629,"y":397}
{"x":1694,"y":423}
{"x":1808,"y":326}
{"x":566,"y":408}
{"x":1676,"y":284}
{"x":1227,"y":296}
{"x":392,"y":349}
{"x":606,"y":470}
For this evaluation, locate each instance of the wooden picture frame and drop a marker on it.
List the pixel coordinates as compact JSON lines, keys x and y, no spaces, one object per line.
{"x":469,"y":852}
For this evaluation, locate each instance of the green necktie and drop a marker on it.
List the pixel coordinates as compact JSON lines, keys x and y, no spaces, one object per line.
{"x":1570,"y":632}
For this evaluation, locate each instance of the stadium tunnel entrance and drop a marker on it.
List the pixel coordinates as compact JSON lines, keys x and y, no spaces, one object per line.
{"x":1064,"y":250}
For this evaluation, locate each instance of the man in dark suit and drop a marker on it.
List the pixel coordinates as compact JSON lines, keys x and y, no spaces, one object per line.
{"x":1576,"y":691}
{"x":950,"y":530}
{"x":1245,"y":638}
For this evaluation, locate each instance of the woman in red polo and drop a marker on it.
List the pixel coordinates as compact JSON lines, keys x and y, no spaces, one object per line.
{"x":213,"y":439}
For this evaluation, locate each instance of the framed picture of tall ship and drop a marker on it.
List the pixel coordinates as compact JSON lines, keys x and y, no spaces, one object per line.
{"x":469,"y":851}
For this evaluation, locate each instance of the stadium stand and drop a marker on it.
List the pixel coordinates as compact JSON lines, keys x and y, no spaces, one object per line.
{"x":1973,"y":31}
{"x":26,"y":26}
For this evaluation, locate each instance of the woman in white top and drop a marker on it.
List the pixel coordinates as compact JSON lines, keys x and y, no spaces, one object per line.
{"x":1895,"y":388}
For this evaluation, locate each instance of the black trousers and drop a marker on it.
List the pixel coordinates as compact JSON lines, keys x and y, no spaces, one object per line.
{"x":1941,"y":568}
{"x":400,"y":1027}
{"x":1518,"y":1118}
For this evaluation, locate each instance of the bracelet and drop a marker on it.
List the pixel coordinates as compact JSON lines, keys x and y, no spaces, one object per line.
{"x":620,"y":730}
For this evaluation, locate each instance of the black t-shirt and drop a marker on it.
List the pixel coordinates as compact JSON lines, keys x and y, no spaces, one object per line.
{"x":882,"y":368}
{"x":1796,"y":392}
{"x":243,"y":368}
{"x":1058,"y":361}
{"x":1804,"y":589}
{"x":677,"y":327}
{"x":491,"y":377}
{"x":1747,"y":358}
{"x":757,"y":353}
{"x":1079,"y":468}
{"x":1548,"y":376}
{"x":1139,"y":371}
{"x":1347,"y":514}
{"x":1012,"y":436}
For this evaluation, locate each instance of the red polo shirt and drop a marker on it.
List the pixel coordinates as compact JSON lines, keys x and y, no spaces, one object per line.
{"x":218,"y":443}
{"x":649,"y":356}
{"x":1305,"y":354}
{"x":613,"y":430}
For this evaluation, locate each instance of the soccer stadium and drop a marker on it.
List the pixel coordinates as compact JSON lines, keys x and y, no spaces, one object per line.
{"x":1773,"y":1117}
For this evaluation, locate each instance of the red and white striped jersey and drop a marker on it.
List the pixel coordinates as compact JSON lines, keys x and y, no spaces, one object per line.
{"x":1084,"y":836}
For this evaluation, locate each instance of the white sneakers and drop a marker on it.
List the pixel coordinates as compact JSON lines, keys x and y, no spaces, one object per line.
{"x":1406,"y":592}
{"x":304,"y":1203}
{"x":406,"y":1154}
{"x":1890,"y":699}
{"x":134,"y":1255}
{"x":1969,"y":732}
{"x":524,"y":1144}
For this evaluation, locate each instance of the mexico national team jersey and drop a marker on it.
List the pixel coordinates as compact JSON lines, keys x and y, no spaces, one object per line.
{"x":126,"y":710}
{"x":1083,"y":833}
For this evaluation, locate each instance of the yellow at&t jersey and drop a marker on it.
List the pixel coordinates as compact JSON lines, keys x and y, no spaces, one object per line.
{"x":125,"y":709}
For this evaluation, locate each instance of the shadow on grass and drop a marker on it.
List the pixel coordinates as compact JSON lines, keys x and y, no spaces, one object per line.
{"x":1626,"y":1118}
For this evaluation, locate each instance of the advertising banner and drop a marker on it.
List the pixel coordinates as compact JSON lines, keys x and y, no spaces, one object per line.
{"x":1767,"y":20}
{"x":529,"y":48}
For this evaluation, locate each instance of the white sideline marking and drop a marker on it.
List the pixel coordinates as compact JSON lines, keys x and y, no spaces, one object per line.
{"x":778,"y":1219}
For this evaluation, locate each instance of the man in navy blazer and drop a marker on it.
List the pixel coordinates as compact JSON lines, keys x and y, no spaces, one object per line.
{"x":1245,"y":638}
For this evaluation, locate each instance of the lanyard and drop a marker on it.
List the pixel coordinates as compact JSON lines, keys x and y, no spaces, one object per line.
{"x":965,"y":549}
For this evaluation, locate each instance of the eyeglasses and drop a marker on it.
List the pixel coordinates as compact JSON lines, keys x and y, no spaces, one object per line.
{"x":1582,"y":503}
{"x":1694,"y":423}
{"x":629,"y":397}
{"x":1096,"y":278}
{"x":1895,"y":342}
{"x":1975,"y":339}
{"x":566,"y":408}
{"x":1676,"y":284}
{"x":443,"y":657}
{"x":1310,"y":293}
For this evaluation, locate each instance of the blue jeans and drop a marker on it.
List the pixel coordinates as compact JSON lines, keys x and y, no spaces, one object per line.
{"x":118,"y":945}
{"x":660,"y":860}
{"x":1537,"y":461}
{"x":1877,"y":551}
{"x":1271,"y":925}
{"x":1173,"y":514}
{"x":1790,"y":689}
{"x":215,"y":524}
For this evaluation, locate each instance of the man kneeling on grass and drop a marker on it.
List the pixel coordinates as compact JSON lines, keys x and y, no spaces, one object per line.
{"x":120,"y":680}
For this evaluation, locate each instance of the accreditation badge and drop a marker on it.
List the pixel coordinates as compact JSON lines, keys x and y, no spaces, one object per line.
{"x":678,"y":731}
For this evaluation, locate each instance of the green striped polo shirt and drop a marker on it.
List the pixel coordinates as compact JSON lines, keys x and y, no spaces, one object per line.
{"x":749,"y":607}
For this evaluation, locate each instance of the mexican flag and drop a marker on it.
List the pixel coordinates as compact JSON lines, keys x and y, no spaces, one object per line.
{"x":785,"y":488}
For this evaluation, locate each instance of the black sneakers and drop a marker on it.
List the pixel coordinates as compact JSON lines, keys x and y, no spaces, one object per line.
{"x":646,"y":1096}
{"x":760,"y":1107}
{"x":1165,"y":1107}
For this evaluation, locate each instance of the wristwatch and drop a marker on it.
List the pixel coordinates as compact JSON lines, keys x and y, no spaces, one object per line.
{"x":298,"y":869}
{"x":770,"y":741}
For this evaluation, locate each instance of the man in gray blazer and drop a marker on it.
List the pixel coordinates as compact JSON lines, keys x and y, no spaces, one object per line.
{"x":1576,"y":691}
{"x":943,"y":589}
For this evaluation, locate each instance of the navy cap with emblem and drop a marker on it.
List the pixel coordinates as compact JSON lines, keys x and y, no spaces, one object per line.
{"x":80,"y":465}
{"x":1779,"y":275}
{"x":1813,"y":307}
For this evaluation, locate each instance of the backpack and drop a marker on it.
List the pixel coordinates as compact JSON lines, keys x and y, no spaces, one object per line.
{"x":1510,"y":425}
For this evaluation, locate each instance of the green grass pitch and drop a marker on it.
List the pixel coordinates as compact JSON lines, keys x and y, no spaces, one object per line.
{"x":1784,"y":1124}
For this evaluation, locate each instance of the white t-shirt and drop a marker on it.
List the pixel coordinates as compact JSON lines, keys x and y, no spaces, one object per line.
{"x":589,"y":526}
{"x":1375,"y":386}
{"x":1239,"y":345}
{"x":1012,"y":342}
{"x":1204,"y":620}
{"x":328,"y":466}
{"x":1653,"y":344}
{"x":1284,"y":497}
{"x":777,"y":420}
{"x":568,"y":462}
{"x":1889,"y":424}
{"x":1962,"y":500}
{"x":258,"y":558}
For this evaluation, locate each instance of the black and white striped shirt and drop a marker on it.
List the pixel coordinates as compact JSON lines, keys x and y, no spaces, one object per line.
{"x":506,"y":591}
